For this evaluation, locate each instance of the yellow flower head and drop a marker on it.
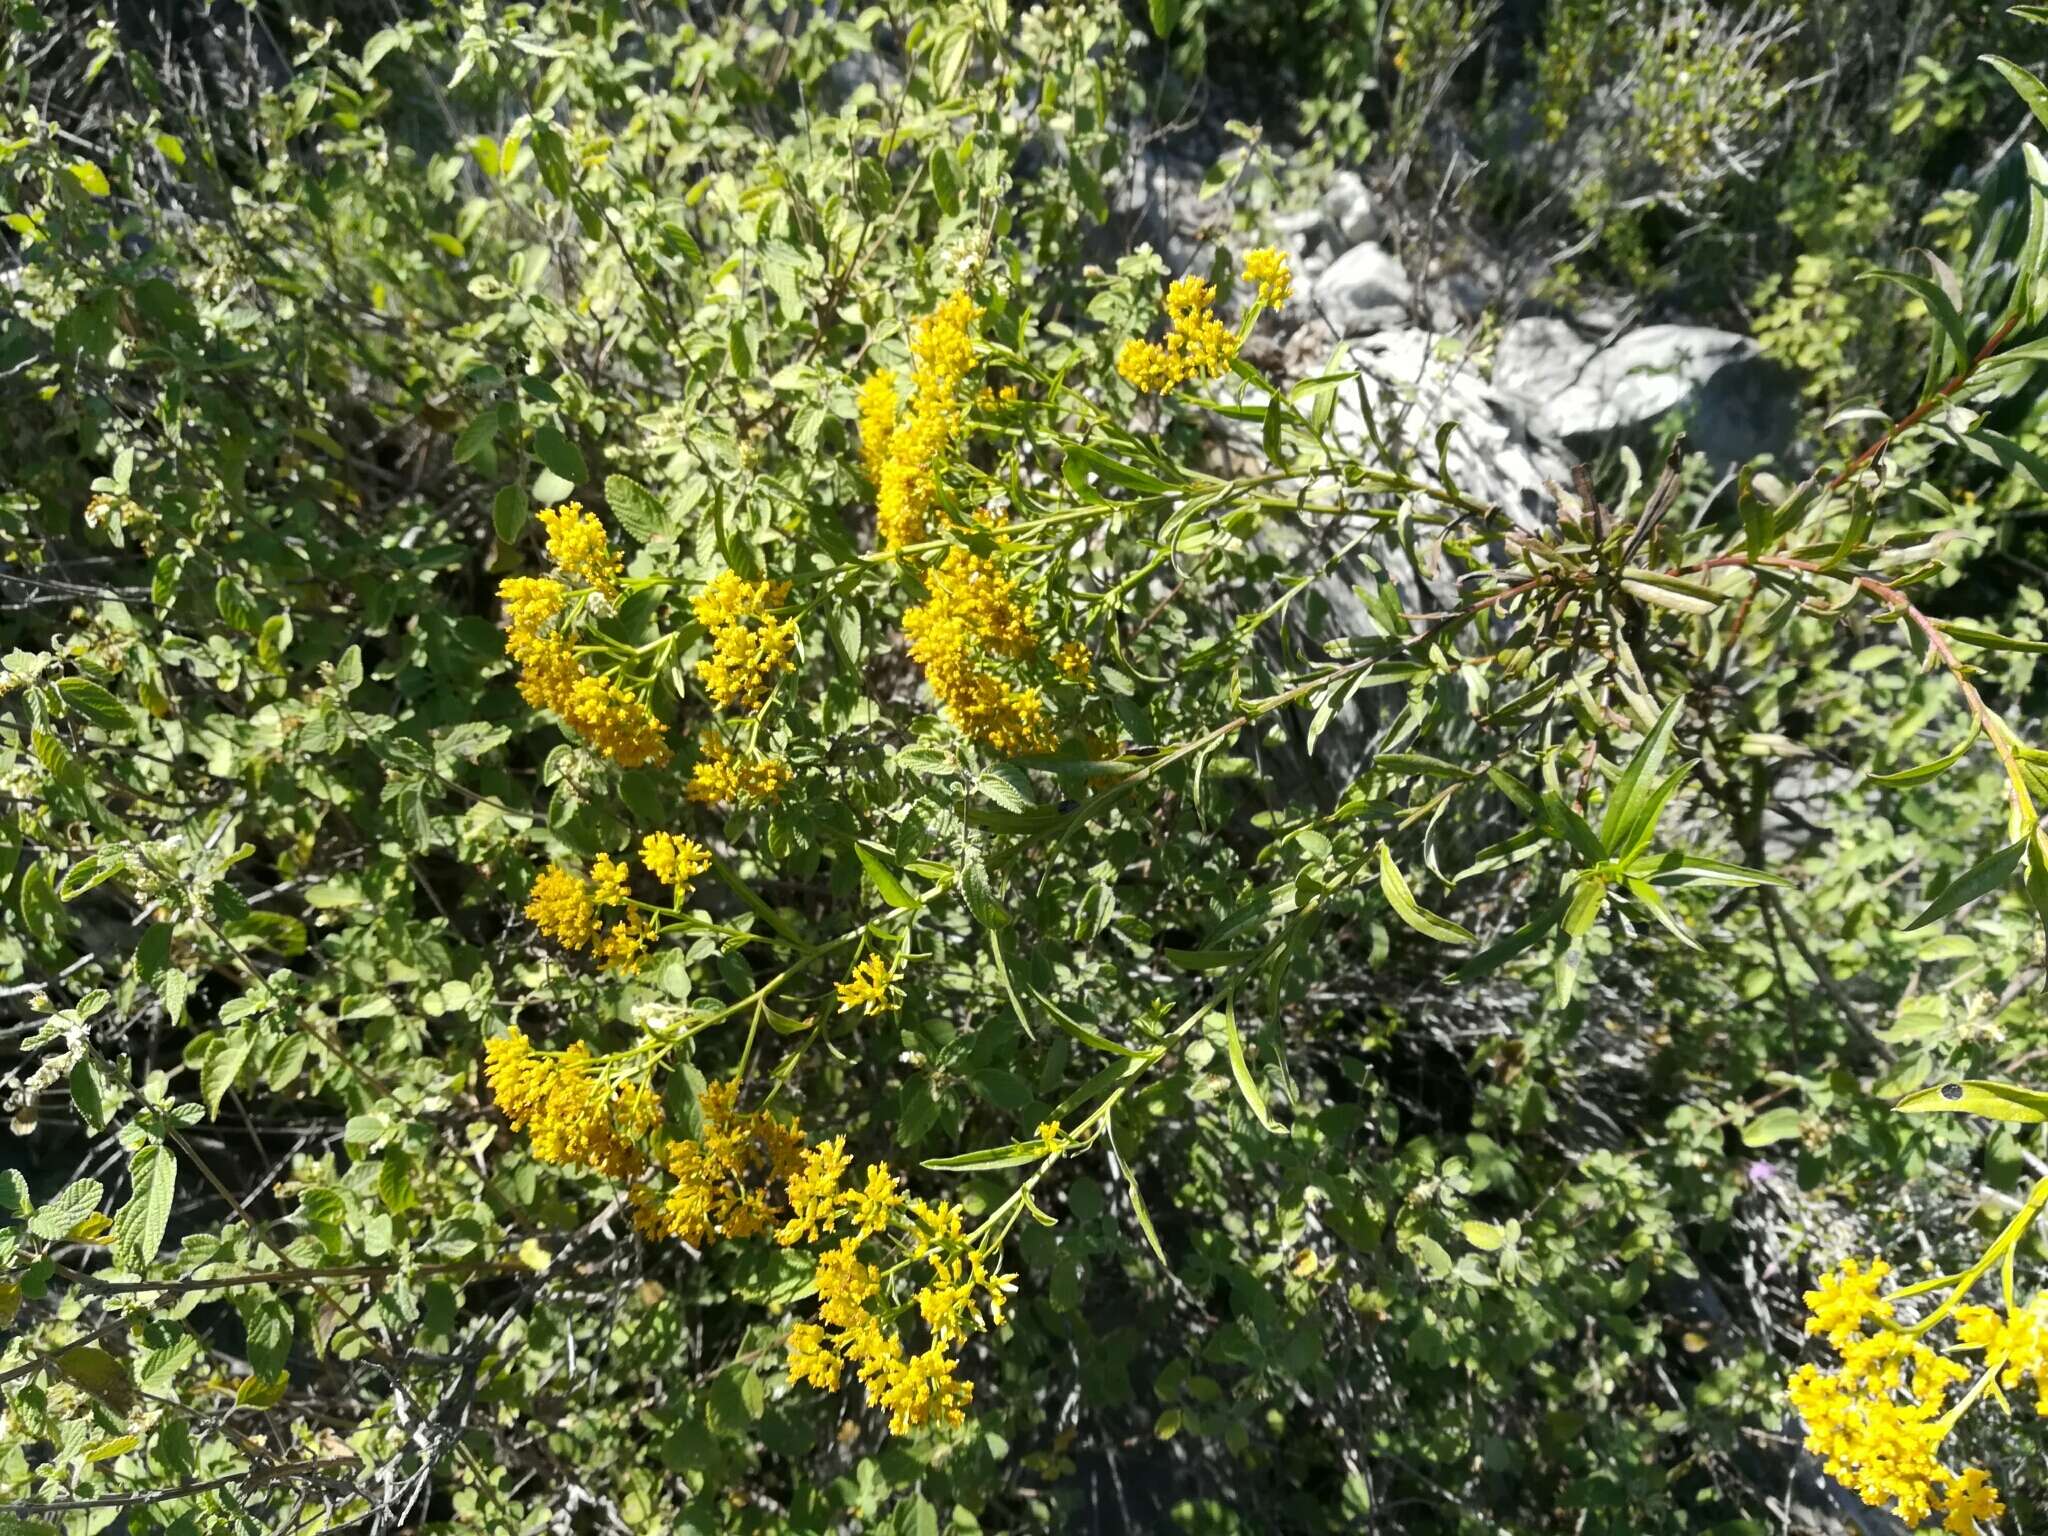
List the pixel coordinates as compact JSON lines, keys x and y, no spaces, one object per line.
{"x":674,"y":861}
{"x":974,"y":613}
{"x":1073,"y":662}
{"x":571,"y":1114}
{"x":871,"y":987}
{"x":812,"y":1359}
{"x":531,"y":602}
{"x":749,"y":645}
{"x":905,"y":454}
{"x":722,"y":776}
{"x":814,"y":1197}
{"x":1196,"y":345}
{"x":875,"y":1202}
{"x":561,"y":907}
{"x":878,"y":408}
{"x":608,"y":881}
{"x":1845,"y":1299}
{"x":579,"y":548}
{"x":726,"y":1180}
{"x":1970,"y":1498}
{"x":612,"y":720}
{"x":923,"y":1392}
{"x":623,"y":946}
{"x":1267,"y":266}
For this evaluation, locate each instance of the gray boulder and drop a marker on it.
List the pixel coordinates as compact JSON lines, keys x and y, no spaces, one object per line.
{"x":1735,"y":403}
{"x":1536,"y":358}
{"x":1361,"y":288}
{"x":1351,"y":210}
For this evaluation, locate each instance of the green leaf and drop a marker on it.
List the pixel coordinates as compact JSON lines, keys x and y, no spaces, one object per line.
{"x":1394,"y":887}
{"x":1123,"y":1168}
{"x":1982,"y":878}
{"x":509,"y":511}
{"x":885,"y":882}
{"x":94,"y":869}
{"x":1772,"y":1125}
{"x":1978,"y":1096}
{"x":2030,"y":89}
{"x":561,"y":456}
{"x":1679,"y":868}
{"x":71,"y":1206}
{"x":1081,"y":458}
{"x":101,"y":1374}
{"x":1165,"y":15}
{"x":478,"y":436}
{"x":1247,"y":1085}
{"x":1483,"y":1235}
{"x":1010,"y":1156}
{"x":1940,"y":307}
{"x":1008,"y":785}
{"x":90,"y":177}
{"x":221,"y":1066}
{"x":1990,"y":639}
{"x":945,"y":181}
{"x":638,"y":510}
{"x":140,"y":1224}
{"x":1500,"y":952}
{"x":1906,"y":777}
{"x":1624,"y":803}
{"x":94,"y":702}
{"x":1589,"y":895}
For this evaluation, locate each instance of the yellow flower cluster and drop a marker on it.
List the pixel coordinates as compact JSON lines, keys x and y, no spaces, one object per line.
{"x":973,"y":612}
{"x":674,"y":861}
{"x":565,"y":907}
{"x":2015,"y":1345}
{"x":579,"y":548}
{"x":904,"y":453}
{"x":1197,"y":344}
{"x":854,"y":1324}
{"x":726,"y":1180}
{"x":571,"y":1114}
{"x":749,"y":645}
{"x":1878,"y":1421}
{"x":723,"y":776}
{"x":878,"y":407}
{"x":1267,"y":266}
{"x":870,"y":987}
{"x":613,"y":720}
{"x":750,"y":1175}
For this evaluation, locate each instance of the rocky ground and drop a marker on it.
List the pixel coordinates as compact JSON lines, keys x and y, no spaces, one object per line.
{"x":1533,"y":389}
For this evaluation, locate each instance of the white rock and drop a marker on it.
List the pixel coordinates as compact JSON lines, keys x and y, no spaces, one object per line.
{"x":1736,"y":404}
{"x":1351,"y":210}
{"x":1536,"y":358}
{"x":1365,"y":280}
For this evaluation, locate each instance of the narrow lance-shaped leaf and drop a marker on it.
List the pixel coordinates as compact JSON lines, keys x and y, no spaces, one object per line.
{"x":1977,"y":1096}
{"x":1980,"y":880}
{"x":1395,"y":888}
{"x":1138,"y":1209}
{"x":1906,"y":777}
{"x":1240,"y":1069}
{"x":1623,"y":807}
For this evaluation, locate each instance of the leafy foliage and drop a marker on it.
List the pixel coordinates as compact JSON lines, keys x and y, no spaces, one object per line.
{"x":1353,"y":1008}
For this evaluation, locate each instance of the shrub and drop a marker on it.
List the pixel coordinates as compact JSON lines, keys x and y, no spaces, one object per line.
{"x":703,"y":838}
